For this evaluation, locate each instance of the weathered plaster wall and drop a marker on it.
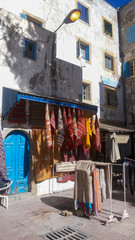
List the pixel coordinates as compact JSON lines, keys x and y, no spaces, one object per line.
{"x":67,"y":37}
{"x":126,"y":17}
{"x":25,"y":74}
{"x":127,"y":51}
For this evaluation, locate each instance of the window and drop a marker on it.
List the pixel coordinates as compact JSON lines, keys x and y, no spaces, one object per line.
{"x":108,"y":61}
{"x":86,"y":92}
{"x":129,"y":68}
{"x":84,"y":12}
{"x":130,"y":34}
{"x":110,"y":97}
{"x":132,"y":68}
{"x":107,"y":26}
{"x":30,"y":49}
{"x":32,"y":18}
{"x":83,"y":50}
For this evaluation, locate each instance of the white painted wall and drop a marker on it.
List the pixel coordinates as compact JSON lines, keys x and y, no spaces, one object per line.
{"x":53,"y":12}
{"x":51,"y":186}
{"x":15,"y":74}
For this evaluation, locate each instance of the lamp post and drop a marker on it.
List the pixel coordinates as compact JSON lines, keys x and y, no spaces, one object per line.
{"x":73,"y":16}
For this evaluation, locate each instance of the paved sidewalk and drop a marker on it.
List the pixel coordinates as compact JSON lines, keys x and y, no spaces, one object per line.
{"x":33,"y":217}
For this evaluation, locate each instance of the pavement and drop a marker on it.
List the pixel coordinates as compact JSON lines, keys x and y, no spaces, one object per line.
{"x":33,"y":217}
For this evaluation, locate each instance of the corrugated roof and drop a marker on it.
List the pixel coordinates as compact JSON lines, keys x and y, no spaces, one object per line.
{"x":110,"y":128}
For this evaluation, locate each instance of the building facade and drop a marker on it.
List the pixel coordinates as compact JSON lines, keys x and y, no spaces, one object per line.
{"x":80,"y":64}
{"x":127,"y":51}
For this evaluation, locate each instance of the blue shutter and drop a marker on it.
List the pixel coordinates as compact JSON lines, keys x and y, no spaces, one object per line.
{"x":87,"y":57}
{"x":83,"y":92}
{"x":78,"y":48}
{"x":130,"y":34}
{"x":126,"y":69}
{"x":23,"y":15}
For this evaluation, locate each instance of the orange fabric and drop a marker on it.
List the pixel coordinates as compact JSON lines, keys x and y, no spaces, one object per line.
{"x":97,"y":189}
{"x":86,"y":138}
{"x":44,"y":157}
{"x":92,"y":124}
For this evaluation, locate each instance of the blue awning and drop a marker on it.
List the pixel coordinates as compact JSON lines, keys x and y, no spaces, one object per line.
{"x":10,"y":97}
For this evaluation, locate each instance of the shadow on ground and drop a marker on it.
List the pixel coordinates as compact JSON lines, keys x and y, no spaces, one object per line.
{"x":60,"y":203}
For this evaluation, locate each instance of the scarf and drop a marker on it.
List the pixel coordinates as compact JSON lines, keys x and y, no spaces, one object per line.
{"x":61,"y":132}
{"x":48,"y":127}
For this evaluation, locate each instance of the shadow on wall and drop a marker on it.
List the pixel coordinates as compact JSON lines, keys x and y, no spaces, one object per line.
{"x":28,"y":73}
{"x":44,"y":75}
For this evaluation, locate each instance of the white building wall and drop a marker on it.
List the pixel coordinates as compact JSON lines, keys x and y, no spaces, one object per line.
{"x":53,"y":12}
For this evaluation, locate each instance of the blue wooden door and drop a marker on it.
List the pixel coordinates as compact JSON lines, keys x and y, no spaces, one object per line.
{"x":17,"y":161}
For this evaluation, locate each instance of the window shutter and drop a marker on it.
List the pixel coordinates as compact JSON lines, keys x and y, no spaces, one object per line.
{"x":130,"y":34}
{"x":126,"y":69}
{"x":23,"y":15}
{"x":83,"y":92}
{"x":78,"y":48}
{"x":87,"y":57}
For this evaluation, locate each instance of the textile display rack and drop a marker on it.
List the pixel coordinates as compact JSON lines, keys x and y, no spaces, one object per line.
{"x":109,"y":168}
{"x":63,"y":168}
{"x":125,"y":213}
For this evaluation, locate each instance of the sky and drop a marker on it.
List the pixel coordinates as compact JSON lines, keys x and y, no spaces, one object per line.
{"x":117,"y":3}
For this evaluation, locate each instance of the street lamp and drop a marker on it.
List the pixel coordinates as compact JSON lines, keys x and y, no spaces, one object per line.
{"x":73,"y":16}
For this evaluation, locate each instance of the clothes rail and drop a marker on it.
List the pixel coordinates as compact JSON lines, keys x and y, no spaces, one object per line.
{"x":109,"y":166}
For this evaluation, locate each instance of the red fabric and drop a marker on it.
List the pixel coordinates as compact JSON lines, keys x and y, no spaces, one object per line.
{"x":98,"y":140}
{"x":64,"y":119}
{"x":52,"y":121}
{"x":69,"y":132}
{"x":81,"y":128}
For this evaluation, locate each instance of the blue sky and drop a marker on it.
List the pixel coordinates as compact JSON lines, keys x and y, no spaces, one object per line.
{"x":117,"y":3}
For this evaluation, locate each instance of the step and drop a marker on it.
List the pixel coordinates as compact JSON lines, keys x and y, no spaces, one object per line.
{"x":20,"y":196}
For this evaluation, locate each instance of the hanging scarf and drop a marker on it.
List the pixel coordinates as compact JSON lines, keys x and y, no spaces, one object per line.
{"x":3,"y":171}
{"x":61,"y":132}
{"x":52,"y":121}
{"x":64,"y":119}
{"x":93,"y":125}
{"x":98,"y":141}
{"x":81,"y":125}
{"x":86,"y":138}
{"x":74,"y":123}
{"x":48,"y":127}
{"x":69,"y":131}
{"x":81,"y":128}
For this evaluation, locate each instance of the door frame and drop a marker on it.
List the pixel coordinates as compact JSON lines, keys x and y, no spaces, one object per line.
{"x":27,"y":133}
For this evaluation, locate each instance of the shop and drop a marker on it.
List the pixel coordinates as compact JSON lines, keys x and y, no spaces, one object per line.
{"x":40,"y":132}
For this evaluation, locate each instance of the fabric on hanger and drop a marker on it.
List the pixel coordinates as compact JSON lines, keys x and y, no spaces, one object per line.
{"x":64,"y":119}
{"x":74,"y":124}
{"x":97,"y":189}
{"x":48,"y":127}
{"x":69,"y":131}
{"x":52,"y":121}
{"x":88,"y":135}
{"x":97,"y":140}
{"x":102,"y":183}
{"x":92,"y":124}
{"x":61,"y":132}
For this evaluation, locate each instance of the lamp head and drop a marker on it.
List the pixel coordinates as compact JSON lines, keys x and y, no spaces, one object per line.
{"x":73,"y":16}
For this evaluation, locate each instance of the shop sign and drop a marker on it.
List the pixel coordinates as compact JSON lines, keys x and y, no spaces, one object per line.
{"x":110,"y":82}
